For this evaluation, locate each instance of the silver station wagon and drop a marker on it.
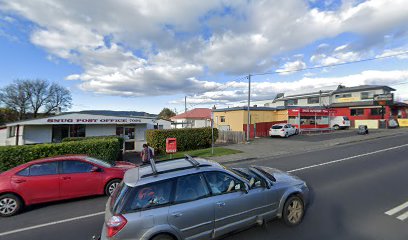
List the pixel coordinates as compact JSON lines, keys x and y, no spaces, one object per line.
{"x":200,"y":199}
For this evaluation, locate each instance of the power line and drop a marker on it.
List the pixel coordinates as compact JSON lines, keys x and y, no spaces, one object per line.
{"x":330,"y":65}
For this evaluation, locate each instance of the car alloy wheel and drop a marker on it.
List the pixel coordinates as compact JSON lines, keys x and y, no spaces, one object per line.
{"x":293,"y":211}
{"x":9,"y":205}
{"x":111,"y":186}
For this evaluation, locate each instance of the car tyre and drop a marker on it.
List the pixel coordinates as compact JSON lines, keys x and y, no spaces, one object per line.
{"x":293,"y":211}
{"x":286,"y":135}
{"x":111,"y":186}
{"x":10,"y":205}
{"x":162,"y":237}
{"x":336,"y":127}
{"x":297,"y":132}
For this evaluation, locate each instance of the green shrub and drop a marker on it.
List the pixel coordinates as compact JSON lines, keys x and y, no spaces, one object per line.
{"x":187,"y":138}
{"x":72,"y":139}
{"x":106,"y":149}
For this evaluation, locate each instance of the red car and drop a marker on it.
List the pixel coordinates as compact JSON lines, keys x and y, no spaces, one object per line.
{"x":57,"y":178}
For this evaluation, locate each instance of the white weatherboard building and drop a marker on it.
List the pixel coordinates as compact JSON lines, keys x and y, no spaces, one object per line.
{"x":54,"y":129}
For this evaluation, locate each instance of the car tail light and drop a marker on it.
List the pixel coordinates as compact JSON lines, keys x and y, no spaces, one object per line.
{"x":344,"y":122}
{"x":282,"y":130}
{"x":114,"y":225}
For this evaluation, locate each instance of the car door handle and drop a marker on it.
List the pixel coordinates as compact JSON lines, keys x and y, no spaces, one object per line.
{"x":221,"y":204}
{"x":177,"y":214}
{"x":66,"y":178}
{"x":19,"y":180}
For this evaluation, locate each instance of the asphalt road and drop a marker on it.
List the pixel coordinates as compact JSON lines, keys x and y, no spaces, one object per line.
{"x":350,"y":198}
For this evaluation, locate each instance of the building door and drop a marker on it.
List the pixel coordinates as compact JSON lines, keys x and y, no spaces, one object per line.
{"x":129,"y":136}
{"x":59,"y":132}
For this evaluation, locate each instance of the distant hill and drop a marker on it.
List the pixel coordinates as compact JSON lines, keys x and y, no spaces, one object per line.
{"x":118,"y":113}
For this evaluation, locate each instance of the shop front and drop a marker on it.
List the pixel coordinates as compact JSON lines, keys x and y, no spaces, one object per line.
{"x":310,"y":118}
{"x":55,"y":129}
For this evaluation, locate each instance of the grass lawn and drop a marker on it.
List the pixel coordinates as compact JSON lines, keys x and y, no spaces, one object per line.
{"x":218,"y":151}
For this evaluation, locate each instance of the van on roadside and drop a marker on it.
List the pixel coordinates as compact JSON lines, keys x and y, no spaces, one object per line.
{"x":339,"y":122}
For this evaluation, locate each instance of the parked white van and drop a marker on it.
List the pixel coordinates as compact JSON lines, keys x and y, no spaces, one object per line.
{"x":339,"y":122}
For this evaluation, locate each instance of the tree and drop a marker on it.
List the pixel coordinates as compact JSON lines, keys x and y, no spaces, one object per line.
{"x":7,"y":115}
{"x":32,"y":96}
{"x":166,"y":114}
{"x":14,"y":96}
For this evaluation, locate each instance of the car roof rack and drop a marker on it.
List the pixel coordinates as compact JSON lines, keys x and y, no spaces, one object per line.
{"x":191,"y":160}
{"x":194,"y":164}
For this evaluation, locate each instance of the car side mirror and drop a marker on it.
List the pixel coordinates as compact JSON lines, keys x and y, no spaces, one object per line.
{"x":95,"y":169}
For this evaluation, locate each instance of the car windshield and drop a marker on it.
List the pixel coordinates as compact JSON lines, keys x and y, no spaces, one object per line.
{"x":97,"y":161}
{"x":346,"y":118}
{"x":277,"y":127}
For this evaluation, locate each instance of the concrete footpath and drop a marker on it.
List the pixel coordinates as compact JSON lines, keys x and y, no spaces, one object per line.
{"x":273,"y":147}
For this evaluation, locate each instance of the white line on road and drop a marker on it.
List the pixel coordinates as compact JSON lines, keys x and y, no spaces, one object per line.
{"x":404,"y":216}
{"x":397,"y":209}
{"x":51,"y":223}
{"x":347,"y":158}
{"x":293,"y":170}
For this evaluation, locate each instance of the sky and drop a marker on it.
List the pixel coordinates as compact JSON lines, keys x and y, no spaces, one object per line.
{"x":146,"y":55}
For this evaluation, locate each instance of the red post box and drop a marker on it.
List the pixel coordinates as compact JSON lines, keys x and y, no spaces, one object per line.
{"x":171,"y":145}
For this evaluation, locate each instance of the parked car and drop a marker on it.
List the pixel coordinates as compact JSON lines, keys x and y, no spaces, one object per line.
{"x":199,"y":199}
{"x":283,"y":130}
{"x":339,"y":122}
{"x":57,"y":178}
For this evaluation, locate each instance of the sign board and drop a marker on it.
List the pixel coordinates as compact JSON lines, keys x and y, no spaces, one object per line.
{"x":171,"y":145}
{"x":383,"y":99}
{"x":310,"y":110}
{"x":349,"y":99}
{"x":403,"y":122}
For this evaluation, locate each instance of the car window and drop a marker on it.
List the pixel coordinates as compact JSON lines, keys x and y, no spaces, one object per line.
{"x":346,"y":118}
{"x":150,"y":195}
{"x":41,"y":169}
{"x":191,"y":187}
{"x":254,"y":180}
{"x":98,"y":161}
{"x":24,"y":172}
{"x":76,"y":167}
{"x":276,"y":127}
{"x":221,"y":183}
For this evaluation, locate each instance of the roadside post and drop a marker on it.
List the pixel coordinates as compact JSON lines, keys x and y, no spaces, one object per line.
{"x":212,"y":130}
{"x":171,"y":146}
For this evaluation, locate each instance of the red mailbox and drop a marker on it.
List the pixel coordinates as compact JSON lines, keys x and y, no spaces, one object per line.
{"x":171,"y":145}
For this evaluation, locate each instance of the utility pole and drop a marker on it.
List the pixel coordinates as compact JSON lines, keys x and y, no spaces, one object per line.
{"x":185,"y":103}
{"x":249,"y":104}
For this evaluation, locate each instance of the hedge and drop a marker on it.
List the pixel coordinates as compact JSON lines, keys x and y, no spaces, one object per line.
{"x":72,"y":139}
{"x":106,"y":149}
{"x":187,"y":138}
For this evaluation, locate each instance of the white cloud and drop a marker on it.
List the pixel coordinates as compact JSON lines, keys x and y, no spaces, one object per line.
{"x":290,"y":67}
{"x":138,"y":48}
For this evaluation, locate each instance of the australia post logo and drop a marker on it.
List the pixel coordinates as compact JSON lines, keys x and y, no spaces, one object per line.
{"x":93,"y":120}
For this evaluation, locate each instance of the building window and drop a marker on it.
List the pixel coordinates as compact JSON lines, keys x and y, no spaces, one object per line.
{"x":12,"y":131}
{"x":357,"y":112}
{"x":344,"y":95}
{"x":365,"y":95}
{"x":222,"y":118}
{"x":291,"y":102}
{"x":77,"y":130}
{"x":375,"y":111}
{"x":312,"y":100}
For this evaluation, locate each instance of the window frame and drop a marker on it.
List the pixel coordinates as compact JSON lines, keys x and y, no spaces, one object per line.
{"x":222,"y":119}
{"x":29,"y":170}
{"x":11,"y":131}
{"x":264,"y":184}
{"x":377,"y":114}
{"x":126,"y":205}
{"x":313,"y":100}
{"x":61,"y":166}
{"x":226,"y":173}
{"x":206,"y":185}
{"x":356,"y":110}
{"x":365,"y":97}
{"x":291,"y":102}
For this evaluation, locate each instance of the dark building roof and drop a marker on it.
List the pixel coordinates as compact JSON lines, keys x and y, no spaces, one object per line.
{"x":342,"y":89}
{"x":116,"y":113}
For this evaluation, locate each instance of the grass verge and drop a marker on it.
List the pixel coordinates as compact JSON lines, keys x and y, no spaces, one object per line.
{"x":218,"y":151}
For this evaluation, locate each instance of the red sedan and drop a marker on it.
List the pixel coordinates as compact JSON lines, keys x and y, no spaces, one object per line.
{"x":57,"y":178}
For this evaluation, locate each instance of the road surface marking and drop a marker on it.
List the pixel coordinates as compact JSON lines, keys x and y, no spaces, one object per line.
{"x":403,"y":216}
{"x":345,"y":159}
{"x":397,"y":209}
{"x":51,"y":223}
